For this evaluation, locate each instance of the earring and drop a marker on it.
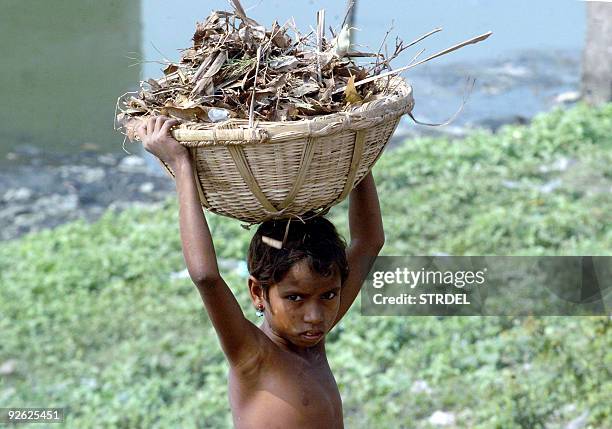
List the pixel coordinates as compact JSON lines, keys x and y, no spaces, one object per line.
{"x":259,"y":312}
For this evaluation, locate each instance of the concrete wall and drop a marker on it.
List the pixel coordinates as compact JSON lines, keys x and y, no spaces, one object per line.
{"x":597,"y":60}
{"x":63,"y":66}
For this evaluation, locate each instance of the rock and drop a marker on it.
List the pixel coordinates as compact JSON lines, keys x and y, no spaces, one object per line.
{"x":13,"y":211}
{"x":512,"y":70}
{"x":420,"y":386}
{"x":146,"y":188}
{"x":107,"y":159}
{"x":442,"y":418}
{"x":28,"y":150}
{"x":55,"y":203}
{"x":89,"y":382}
{"x":495,"y":123}
{"x":179,"y":275}
{"x":90,"y":146}
{"x":237,"y":265}
{"x":91,"y":175}
{"x":92,"y":194}
{"x":548,"y":187}
{"x":8,"y":367}
{"x":26,"y":221}
{"x":6,"y":394}
{"x":19,"y":194}
{"x":579,"y":422}
{"x":132,"y":163}
{"x":82,"y":173}
{"x":568,"y":408}
{"x":510,"y":184}
{"x":568,"y":97}
{"x":560,"y":164}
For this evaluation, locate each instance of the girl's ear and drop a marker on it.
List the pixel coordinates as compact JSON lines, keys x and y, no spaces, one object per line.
{"x":256,"y":291}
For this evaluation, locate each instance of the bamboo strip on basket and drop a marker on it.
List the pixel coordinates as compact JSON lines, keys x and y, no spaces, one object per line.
{"x":242,"y":165}
{"x":198,"y":182}
{"x":302,"y":171}
{"x":355,"y":163}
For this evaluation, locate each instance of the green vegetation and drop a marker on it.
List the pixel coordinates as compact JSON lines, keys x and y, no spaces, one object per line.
{"x":95,"y":322}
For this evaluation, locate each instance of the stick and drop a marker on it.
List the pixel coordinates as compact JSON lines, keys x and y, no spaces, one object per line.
{"x":239,"y":9}
{"x":320,"y":35}
{"x":349,"y":16}
{"x":382,"y":44}
{"x":401,"y":69}
{"x":435,"y":30}
{"x":241,"y":13}
{"x":252,"y":108}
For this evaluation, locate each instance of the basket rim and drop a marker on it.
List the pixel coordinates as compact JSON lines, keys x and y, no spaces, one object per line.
{"x":365,"y":115}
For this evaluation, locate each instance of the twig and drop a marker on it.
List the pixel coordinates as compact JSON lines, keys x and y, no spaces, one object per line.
{"x":255,"y":5}
{"x":320,"y":35}
{"x":434,"y":31}
{"x":466,"y":95}
{"x":439,"y":54}
{"x":160,"y":53}
{"x":252,"y":108}
{"x":383,"y":44}
{"x":238,"y":8}
{"x":347,"y":15}
{"x":416,"y":56}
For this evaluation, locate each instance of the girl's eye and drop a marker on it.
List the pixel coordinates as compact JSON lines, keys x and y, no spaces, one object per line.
{"x":294,"y":298}
{"x":329,"y":295}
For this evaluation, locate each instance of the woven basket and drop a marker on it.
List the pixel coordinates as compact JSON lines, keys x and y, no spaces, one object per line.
{"x":286,"y":169}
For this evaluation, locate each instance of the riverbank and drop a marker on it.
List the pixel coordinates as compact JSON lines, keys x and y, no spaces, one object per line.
{"x":43,"y":194}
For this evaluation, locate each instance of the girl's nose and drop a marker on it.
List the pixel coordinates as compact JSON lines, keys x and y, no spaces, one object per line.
{"x":313,"y":314}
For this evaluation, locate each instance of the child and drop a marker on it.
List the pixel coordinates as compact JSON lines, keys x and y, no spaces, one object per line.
{"x":279,"y":375}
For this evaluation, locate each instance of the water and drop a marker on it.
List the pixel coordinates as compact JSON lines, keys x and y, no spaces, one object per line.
{"x":65,"y":63}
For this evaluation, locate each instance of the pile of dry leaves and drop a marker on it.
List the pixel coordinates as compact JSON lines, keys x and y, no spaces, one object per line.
{"x":237,"y":68}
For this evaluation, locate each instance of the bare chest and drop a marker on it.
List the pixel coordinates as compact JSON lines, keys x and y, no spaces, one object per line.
{"x":286,"y":393}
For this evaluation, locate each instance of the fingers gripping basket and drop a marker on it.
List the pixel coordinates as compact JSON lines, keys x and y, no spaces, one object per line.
{"x":286,"y":169}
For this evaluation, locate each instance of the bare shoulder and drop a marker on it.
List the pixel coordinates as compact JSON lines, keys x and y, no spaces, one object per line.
{"x":257,"y":362}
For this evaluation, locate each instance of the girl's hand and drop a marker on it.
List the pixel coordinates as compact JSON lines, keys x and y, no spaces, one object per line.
{"x":156,"y":139}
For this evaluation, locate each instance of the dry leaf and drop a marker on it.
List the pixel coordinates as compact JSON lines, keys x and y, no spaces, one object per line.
{"x":350,"y":93}
{"x":154,"y":85}
{"x":284,"y":63}
{"x":198,"y":113}
{"x":171,"y":68}
{"x":278,"y":36}
{"x":306,"y":88}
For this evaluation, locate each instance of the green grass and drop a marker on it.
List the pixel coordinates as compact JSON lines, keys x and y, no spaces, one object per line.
{"x":97,"y":324}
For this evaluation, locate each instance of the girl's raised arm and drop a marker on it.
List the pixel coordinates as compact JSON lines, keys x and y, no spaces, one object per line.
{"x":367,"y":239}
{"x":240,"y":339}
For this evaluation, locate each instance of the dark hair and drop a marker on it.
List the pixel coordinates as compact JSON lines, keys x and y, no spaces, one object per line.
{"x":315,"y":240}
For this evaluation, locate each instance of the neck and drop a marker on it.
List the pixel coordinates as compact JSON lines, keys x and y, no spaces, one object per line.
{"x":308,"y":353}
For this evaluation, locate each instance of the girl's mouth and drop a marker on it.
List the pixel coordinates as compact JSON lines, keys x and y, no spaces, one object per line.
{"x":312,"y":335}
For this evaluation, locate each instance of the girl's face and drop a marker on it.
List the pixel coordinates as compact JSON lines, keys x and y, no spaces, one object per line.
{"x":302,"y":307}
